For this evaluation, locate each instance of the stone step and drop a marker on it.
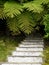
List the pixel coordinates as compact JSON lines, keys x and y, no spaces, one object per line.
{"x":32,"y":43}
{"x":33,"y":40}
{"x":33,"y":37}
{"x":25,"y":59}
{"x":30,"y":38}
{"x":28,"y":49}
{"x":22,"y":45}
{"x":18,"y":64}
{"x":26,"y":53}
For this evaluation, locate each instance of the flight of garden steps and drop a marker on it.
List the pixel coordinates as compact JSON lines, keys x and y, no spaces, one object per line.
{"x":29,"y":52}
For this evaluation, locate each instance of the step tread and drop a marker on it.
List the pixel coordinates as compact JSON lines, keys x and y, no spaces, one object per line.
{"x":18,"y":64}
{"x":37,"y":43}
{"x":9,"y":63}
{"x":25,"y":59}
{"x":21,"y":45}
{"x":27,"y":53}
{"x":33,"y":40}
{"x":29,"y":49}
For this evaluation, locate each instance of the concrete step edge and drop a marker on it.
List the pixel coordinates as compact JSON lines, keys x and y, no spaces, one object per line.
{"x":26,"y":56}
{"x":31,"y":47}
{"x":20,"y":63}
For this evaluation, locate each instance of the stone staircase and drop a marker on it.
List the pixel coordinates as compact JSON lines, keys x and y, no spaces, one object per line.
{"x":29,"y":52}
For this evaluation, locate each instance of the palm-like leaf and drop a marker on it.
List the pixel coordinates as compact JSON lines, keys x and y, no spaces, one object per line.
{"x":1,"y":10}
{"x":1,"y":13}
{"x":26,"y":22}
{"x":36,"y":5}
{"x":13,"y":25}
{"x":46,"y":23}
{"x":41,"y":1}
{"x":45,"y":1}
{"x":12,"y":8}
{"x":33,"y":6}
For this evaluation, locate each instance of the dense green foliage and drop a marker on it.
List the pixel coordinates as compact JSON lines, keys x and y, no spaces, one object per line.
{"x":8,"y":44}
{"x":46,"y":53}
{"x":46,"y":23}
{"x":25,"y":15}
{"x":26,"y":23}
{"x":13,"y":26}
{"x":11,"y":9}
{"x":46,"y":56}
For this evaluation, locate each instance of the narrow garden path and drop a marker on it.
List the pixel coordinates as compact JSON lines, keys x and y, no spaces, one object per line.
{"x":29,"y":52}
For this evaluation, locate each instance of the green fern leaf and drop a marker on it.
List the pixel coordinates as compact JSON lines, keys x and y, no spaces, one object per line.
{"x":26,"y":22}
{"x":12,"y":8}
{"x":13,"y":25}
{"x":41,"y":1}
{"x":45,"y":1}
{"x":33,"y":6}
{"x":1,"y":11}
{"x":46,"y":23}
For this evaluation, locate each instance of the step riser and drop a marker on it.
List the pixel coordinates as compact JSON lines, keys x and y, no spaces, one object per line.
{"x":31,"y":45}
{"x":27,"y":54}
{"x":33,"y":40}
{"x":29,"y":49}
{"x":25,"y":59}
{"x":21,"y":64}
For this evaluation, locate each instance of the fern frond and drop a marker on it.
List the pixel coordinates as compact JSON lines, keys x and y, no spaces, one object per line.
{"x":12,"y":8}
{"x":48,"y":5}
{"x":13,"y":25}
{"x":46,"y":23}
{"x":1,"y":11}
{"x":33,"y":6}
{"x":26,"y":22}
{"x":45,"y":1}
{"x":41,"y":1}
{"x":36,"y":17}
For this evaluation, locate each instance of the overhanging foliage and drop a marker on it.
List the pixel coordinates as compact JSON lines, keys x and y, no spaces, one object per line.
{"x":11,"y":9}
{"x":25,"y":14}
{"x":26,"y":23}
{"x":46,"y":23}
{"x":13,"y":26}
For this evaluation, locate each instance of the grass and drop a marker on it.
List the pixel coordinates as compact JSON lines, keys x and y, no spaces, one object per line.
{"x":7,"y":45}
{"x":46,"y":53}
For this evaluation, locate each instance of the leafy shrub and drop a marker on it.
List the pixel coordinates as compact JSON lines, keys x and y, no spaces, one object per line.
{"x":46,"y":56}
{"x":46,"y":23}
